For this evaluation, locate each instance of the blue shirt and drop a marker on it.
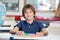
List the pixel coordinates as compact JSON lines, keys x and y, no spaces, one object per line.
{"x":36,"y":26}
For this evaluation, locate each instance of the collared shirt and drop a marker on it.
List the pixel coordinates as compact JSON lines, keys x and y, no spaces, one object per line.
{"x":35,"y":26}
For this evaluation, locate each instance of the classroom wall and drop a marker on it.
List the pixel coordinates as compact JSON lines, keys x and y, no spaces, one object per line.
{"x":21,"y":4}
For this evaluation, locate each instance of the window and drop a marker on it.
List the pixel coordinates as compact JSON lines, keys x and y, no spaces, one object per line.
{"x":11,"y":5}
{"x":43,"y":5}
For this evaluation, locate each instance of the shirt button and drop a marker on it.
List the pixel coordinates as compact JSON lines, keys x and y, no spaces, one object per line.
{"x":29,"y":26}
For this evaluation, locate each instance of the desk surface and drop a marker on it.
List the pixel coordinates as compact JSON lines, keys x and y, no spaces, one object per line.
{"x":8,"y":35}
{"x":11,"y":23}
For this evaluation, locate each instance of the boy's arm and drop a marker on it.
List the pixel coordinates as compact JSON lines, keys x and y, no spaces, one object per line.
{"x":45,"y":32}
{"x":42,"y":33}
{"x":14,"y":30}
{"x":17,"y":31}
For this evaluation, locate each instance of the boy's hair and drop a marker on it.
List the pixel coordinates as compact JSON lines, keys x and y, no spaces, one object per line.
{"x":28,"y":6}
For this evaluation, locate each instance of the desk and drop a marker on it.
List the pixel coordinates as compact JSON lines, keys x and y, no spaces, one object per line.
{"x":49,"y":37}
{"x":54,"y":37}
{"x":11,"y":23}
{"x":27,"y":37}
{"x":54,"y":34}
{"x":8,"y":35}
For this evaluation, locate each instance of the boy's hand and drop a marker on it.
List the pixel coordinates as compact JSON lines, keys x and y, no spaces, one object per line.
{"x":21,"y":33}
{"x":39,"y":34}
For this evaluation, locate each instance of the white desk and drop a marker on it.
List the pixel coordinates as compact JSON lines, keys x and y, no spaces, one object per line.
{"x":54,"y":34}
{"x":5,"y":28}
{"x":54,"y":37}
{"x":27,"y":37}
{"x":8,"y":35}
{"x":11,"y":23}
{"x":49,"y":37}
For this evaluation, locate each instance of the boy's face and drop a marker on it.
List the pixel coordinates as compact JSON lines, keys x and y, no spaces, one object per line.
{"x":28,"y":14}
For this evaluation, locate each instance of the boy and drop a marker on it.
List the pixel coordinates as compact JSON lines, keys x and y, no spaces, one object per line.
{"x":29,"y":25}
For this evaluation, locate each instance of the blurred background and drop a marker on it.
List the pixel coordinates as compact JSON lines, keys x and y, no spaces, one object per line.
{"x":47,"y":11}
